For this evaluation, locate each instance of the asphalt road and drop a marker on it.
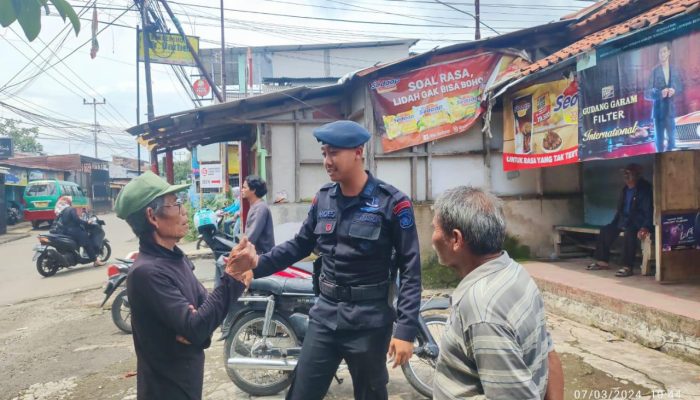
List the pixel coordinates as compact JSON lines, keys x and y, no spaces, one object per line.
{"x":20,"y":280}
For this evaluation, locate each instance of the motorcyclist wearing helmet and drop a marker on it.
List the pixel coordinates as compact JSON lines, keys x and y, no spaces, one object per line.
{"x":70,"y":224}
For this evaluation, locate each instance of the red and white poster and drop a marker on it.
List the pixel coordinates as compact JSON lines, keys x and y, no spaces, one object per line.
{"x":432,"y":102}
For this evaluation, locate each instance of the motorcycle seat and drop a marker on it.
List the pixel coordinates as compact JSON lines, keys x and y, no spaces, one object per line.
{"x":65,"y":239}
{"x":278,"y":285}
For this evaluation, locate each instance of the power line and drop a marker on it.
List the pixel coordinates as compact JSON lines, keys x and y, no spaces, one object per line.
{"x":469,"y":14}
{"x":81,"y":80}
{"x":318,"y":18}
{"x":82,"y":12}
{"x":66,"y":56}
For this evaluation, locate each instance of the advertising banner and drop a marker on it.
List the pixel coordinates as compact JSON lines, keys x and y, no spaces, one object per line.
{"x":169,"y":48}
{"x":211,"y":176}
{"x":639,"y":94}
{"x":680,"y":231}
{"x":540,"y":126}
{"x":16,"y":177}
{"x":432,"y":102}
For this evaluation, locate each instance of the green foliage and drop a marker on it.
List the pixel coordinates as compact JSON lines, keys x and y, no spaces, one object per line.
{"x":24,"y":139}
{"x":214,"y":203}
{"x":28,"y":14}
{"x":436,"y":276}
{"x":182,"y":171}
{"x":515,"y":250}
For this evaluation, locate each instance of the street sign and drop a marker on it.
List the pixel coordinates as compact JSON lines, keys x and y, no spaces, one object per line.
{"x":210,"y":176}
{"x":201,"y":87}
{"x":169,"y":48}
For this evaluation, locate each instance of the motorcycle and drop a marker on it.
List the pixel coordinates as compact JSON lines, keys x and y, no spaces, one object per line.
{"x":57,"y":251}
{"x":203,"y":241}
{"x":265,"y":331}
{"x":13,"y":213}
{"x":120,"y":310}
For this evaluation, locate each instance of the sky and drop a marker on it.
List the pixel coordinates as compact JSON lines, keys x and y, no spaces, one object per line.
{"x":45,"y":83}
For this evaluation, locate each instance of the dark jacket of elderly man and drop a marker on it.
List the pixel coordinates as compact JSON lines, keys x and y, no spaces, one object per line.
{"x":172,"y":315}
{"x":496,"y":344}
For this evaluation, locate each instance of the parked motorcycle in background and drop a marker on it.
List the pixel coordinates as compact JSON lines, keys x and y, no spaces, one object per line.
{"x":61,"y":251}
{"x":264,"y":333}
{"x":117,"y":273}
{"x":14,"y":215}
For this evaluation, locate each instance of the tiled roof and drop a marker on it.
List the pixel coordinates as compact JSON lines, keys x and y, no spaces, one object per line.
{"x":666,"y":10}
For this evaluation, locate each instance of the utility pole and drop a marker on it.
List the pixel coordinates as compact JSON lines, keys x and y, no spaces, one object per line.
{"x":147,"y":58}
{"x":138,"y":100}
{"x":477,"y":31}
{"x":197,"y":60}
{"x":223,"y":55}
{"x":147,"y":68}
{"x":94,"y":105}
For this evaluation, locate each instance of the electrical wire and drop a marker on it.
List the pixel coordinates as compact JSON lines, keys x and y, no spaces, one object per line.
{"x":107,"y":25}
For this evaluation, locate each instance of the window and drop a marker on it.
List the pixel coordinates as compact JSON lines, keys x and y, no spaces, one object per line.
{"x":41,"y":189}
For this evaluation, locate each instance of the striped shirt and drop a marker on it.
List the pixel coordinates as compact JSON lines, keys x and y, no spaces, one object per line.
{"x":496,"y":344}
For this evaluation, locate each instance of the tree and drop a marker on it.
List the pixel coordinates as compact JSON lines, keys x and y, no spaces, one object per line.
{"x":24,"y":139}
{"x":182,"y":170}
{"x":28,"y":14}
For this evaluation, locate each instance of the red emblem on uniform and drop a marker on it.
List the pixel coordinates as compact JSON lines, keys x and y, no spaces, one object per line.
{"x":401,"y":206}
{"x":329,"y":227}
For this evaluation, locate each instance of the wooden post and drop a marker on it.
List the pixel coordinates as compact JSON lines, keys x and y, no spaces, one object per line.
{"x":154,"y":161}
{"x":244,"y":159}
{"x":297,"y":161}
{"x":429,"y":171}
{"x":169,"y":170}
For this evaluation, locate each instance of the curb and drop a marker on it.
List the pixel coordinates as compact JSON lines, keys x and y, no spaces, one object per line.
{"x":11,"y":237}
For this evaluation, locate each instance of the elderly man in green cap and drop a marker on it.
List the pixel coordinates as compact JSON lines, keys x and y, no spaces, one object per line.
{"x":172,"y":315}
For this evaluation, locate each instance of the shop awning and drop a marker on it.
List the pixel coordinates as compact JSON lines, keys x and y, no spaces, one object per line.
{"x":231,"y":121}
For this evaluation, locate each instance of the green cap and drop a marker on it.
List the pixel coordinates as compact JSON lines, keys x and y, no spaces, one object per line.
{"x":142,"y":190}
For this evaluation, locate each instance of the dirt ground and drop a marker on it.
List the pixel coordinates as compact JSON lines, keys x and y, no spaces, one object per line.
{"x":66,"y":347}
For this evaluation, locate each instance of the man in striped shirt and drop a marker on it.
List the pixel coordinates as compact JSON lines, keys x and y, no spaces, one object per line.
{"x":496,"y":345}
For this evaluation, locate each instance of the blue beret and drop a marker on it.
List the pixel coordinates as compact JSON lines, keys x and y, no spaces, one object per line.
{"x":343,"y":134}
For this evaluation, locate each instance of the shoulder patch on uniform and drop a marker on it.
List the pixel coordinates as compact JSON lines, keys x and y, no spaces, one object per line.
{"x":401,"y":206}
{"x":406,"y":219}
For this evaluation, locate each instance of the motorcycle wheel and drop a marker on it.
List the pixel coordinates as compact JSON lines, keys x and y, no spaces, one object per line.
{"x":121,"y":312}
{"x":45,"y":266}
{"x":246,"y":334}
{"x":105,"y":252}
{"x":420,"y":370}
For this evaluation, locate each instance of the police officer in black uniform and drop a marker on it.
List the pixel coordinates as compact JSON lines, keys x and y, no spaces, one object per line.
{"x":363,"y":229}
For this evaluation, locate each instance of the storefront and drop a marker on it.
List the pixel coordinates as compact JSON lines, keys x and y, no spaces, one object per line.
{"x":629,"y":99}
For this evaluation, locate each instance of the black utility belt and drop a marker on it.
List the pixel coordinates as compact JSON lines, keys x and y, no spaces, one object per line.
{"x":335,"y":292}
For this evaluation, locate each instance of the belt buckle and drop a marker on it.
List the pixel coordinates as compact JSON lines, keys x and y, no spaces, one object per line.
{"x":343,"y":293}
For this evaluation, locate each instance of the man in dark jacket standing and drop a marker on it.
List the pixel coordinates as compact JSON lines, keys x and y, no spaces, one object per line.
{"x":363,"y":229}
{"x":665,"y":85}
{"x":634,"y":217}
{"x":172,"y":315}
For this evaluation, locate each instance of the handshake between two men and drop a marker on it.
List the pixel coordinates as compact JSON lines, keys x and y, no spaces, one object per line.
{"x":241,"y":261}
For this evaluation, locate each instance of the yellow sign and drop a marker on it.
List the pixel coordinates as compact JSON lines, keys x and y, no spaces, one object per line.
{"x":168,"y":48}
{"x":233,"y":161}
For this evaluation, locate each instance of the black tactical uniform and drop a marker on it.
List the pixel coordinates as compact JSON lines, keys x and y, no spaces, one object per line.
{"x":352,"y":319}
